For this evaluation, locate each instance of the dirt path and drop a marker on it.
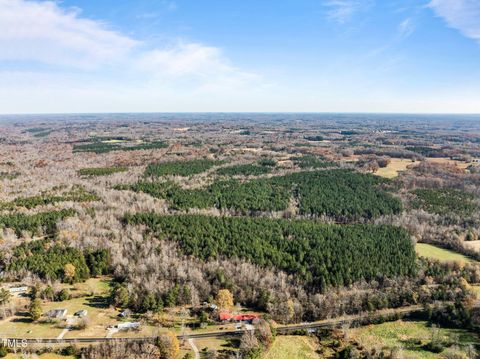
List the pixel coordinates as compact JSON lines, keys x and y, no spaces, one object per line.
{"x":194,"y":348}
{"x":67,"y":328}
{"x":111,"y":331}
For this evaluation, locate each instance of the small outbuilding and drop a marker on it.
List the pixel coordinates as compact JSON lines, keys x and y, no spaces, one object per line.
{"x":57,"y":313}
{"x":128,"y":325}
{"x":18,"y":290}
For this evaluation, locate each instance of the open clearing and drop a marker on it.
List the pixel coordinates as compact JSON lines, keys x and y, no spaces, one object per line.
{"x":445,"y":255}
{"x":475,"y":245}
{"x":91,"y":297}
{"x":217,"y":344}
{"x":395,"y":166}
{"x":410,"y":336}
{"x":292,"y":347}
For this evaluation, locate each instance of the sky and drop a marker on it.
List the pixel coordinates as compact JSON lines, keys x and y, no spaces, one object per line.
{"x":401,"y":56}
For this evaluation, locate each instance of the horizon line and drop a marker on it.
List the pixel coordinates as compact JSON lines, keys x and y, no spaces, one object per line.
{"x":243,"y":112}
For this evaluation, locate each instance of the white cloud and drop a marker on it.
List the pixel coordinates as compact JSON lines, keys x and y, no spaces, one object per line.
{"x":342,"y":11}
{"x":406,"y":28}
{"x":45,"y":33}
{"x":462,"y":15}
{"x":205,"y":65}
{"x":184,"y":59}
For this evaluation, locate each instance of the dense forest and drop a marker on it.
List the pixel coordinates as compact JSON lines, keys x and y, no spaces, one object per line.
{"x":77,"y":194}
{"x":100,"y":171}
{"x":179,"y":168}
{"x":48,"y":260}
{"x":445,"y":201}
{"x":323,"y":255}
{"x":256,"y":195}
{"x":43,"y":223}
{"x":309,"y":161}
{"x":342,"y":194}
{"x":104,"y":147}
{"x":250,"y":169}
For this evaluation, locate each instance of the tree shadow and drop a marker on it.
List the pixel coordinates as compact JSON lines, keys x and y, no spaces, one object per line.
{"x":97,"y":301}
{"x":412,"y":344}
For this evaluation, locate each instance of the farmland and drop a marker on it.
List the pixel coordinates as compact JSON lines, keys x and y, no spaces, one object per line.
{"x":410,"y":337}
{"x":292,"y":347}
{"x":441,"y":254}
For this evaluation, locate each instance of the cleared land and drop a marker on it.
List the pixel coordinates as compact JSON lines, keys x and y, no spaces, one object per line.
{"x":292,"y":347}
{"x":411,"y":337}
{"x":91,"y":298}
{"x":444,"y":255}
{"x":475,"y":245}
{"x":395,"y":166}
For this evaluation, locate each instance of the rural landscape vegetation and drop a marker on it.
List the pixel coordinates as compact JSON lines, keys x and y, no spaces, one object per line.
{"x":239,"y":236}
{"x":240,"y":179}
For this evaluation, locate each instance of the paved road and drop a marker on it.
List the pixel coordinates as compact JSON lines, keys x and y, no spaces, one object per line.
{"x":324,"y":324}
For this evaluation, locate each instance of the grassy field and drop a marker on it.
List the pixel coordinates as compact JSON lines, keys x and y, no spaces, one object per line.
{"x":217,"y":344}
{"x":445,"y":255}
{"x":410,"y":337}
{"x":395,"y":166}
{"x":90,"y":296}
{"x":292,"y":347}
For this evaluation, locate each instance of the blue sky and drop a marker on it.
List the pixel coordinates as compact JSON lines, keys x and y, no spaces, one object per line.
{"x":240,"y":55}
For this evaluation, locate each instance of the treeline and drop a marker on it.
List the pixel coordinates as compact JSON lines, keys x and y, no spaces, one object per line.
{"x":390,"y":152}
{"x":256,"y":195}
{"x":250,"y":169}
{"x":105,"y":147}
{"x":343,"y":194}
{"x":427,"y":151}
{"x":309,"y":161}
{"x":178,"y":295}
{"x":322,"y":255}
{"x":77,"y":194}
{"x":53,"y":261}
{"x":100,"y":171}
{"x":317,"y":138}
{"x":445,"y":201}
{"x":45,"y":222}
{"x":180,"y":168}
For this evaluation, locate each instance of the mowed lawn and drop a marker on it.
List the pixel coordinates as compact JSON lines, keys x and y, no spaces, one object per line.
{"x":292,"y":347}
{"x":444,"y":255}
{"x":410,"y":336}
{"x":93,"y":294}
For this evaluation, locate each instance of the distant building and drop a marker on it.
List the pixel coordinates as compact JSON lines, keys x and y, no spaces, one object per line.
{"x":18,"y":290}
{"x":57,"y":313}
{"x":124,"y":313}
{"x":239,"y":318}
{"x":225,"y":316}
{"x":128,"y":325}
